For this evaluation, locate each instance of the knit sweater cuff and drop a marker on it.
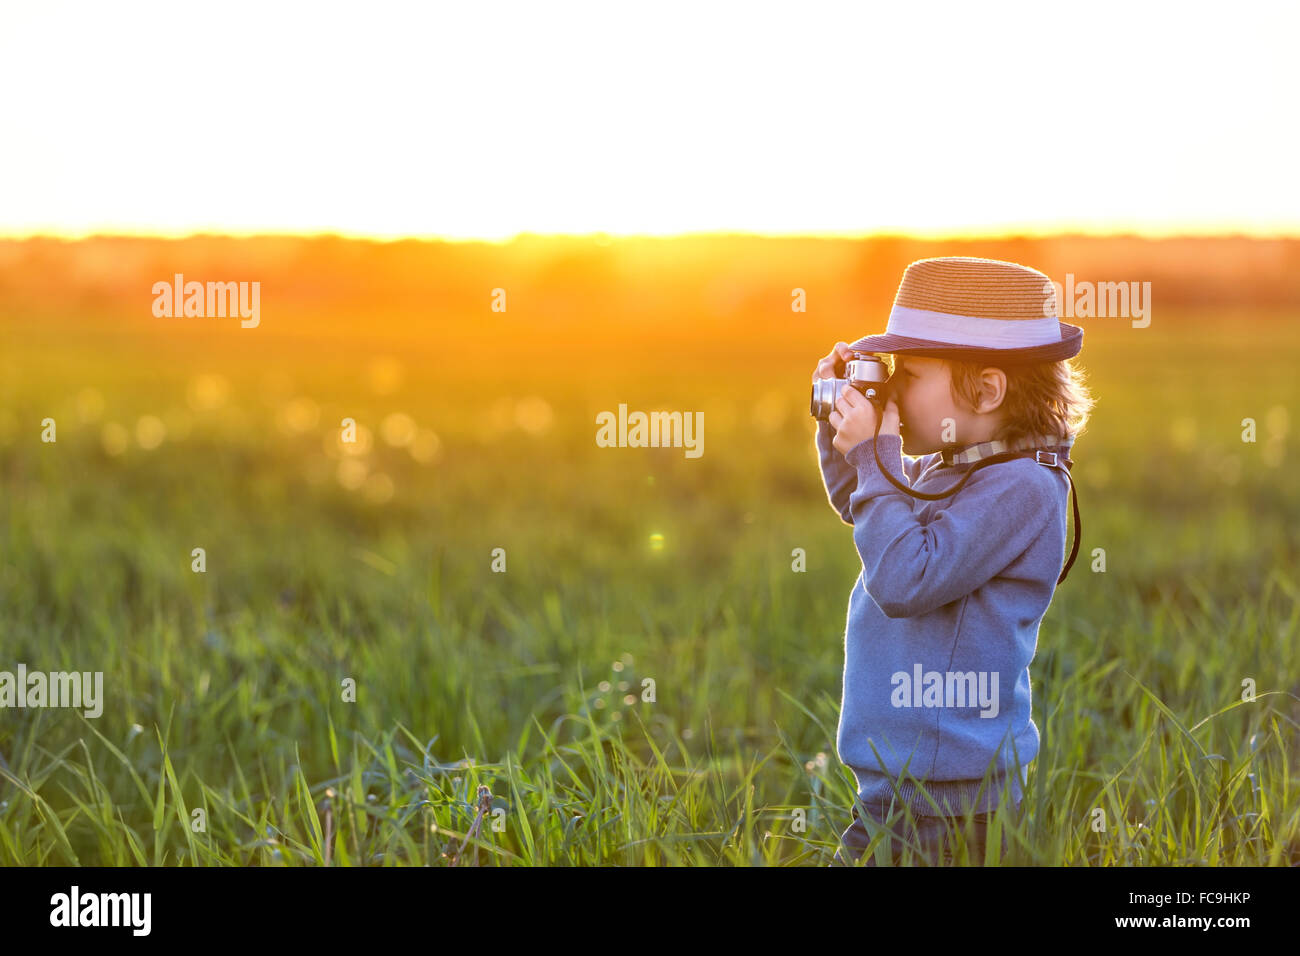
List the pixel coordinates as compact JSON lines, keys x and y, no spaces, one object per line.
{"x":954,"y":797}
{"x":862,"y":457}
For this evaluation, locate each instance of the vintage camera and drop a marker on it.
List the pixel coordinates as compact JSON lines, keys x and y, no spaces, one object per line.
{"x":866,"y":371}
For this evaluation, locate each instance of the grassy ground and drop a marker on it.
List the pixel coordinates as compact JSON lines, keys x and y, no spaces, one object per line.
{"x":224,"y":689}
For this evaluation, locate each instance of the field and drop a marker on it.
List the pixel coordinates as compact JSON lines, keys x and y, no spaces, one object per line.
{"x":331,"y":565}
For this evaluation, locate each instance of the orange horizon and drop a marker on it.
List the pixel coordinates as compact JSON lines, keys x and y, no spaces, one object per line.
{"x":1154,"y":233}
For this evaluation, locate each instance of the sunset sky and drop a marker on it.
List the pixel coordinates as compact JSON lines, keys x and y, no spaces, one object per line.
{"x":483,"y":120}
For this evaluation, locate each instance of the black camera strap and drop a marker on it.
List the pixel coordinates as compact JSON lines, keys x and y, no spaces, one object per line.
{"x":1042,"y":456}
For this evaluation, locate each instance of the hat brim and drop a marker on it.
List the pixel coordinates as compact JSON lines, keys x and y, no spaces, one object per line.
{"x":1069,"y":346}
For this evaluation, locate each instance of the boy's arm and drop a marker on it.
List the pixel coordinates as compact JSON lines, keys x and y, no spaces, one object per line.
{"x":911,"y":568}
{"x":840,"y":477}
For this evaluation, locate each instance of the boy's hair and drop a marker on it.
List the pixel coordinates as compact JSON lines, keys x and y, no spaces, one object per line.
{"x":1046,"y":398}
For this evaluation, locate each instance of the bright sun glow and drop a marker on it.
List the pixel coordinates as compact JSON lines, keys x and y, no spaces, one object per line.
{"x":469,"y":119}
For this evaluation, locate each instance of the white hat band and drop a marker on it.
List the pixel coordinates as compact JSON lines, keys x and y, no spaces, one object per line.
{"x":969,"y":330}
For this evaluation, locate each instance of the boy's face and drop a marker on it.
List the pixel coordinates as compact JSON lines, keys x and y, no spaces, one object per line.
{"x":923,"y":393}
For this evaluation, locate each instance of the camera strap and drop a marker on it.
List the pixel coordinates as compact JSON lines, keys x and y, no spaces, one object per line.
{"x":1042,"y":456}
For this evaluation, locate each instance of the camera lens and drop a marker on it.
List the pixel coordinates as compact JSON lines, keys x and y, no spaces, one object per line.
{"x":824,"y":392}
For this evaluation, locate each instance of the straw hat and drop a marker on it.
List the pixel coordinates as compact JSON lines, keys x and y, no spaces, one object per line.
{"x":975,"y":309}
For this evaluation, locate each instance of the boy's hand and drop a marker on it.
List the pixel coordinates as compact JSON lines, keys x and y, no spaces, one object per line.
{"x":832,"y":366}
{"x":854,"y":419}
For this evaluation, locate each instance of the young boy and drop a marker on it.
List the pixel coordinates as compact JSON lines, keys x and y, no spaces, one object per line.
{"x":943,"y":620}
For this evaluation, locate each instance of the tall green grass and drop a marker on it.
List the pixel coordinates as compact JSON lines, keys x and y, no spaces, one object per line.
{"x":224,"y":689}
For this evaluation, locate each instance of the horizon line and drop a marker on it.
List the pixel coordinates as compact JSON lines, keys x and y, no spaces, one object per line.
{"x":604,"y":236}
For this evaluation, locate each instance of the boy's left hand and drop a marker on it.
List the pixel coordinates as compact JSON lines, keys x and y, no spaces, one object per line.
{"x":854,"y":419}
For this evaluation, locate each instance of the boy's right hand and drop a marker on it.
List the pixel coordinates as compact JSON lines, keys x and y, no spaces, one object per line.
{"x":832,"y":366}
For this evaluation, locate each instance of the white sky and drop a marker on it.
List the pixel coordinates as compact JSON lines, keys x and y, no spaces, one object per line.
{"x":476,"y":119}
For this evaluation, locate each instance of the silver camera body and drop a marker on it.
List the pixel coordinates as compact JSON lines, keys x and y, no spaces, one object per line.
{"x":866,"y":371}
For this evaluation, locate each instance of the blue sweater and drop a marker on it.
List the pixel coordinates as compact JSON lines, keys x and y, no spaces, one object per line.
{"x":943,"y":621}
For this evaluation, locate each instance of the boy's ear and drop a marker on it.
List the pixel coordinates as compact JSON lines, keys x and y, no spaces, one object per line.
{"x":993,"y":389}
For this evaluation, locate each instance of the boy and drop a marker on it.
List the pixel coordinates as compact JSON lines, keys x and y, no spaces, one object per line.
{"x":943,"y":620}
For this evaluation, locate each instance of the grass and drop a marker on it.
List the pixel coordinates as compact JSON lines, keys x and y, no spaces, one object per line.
{"x":226,"y":738}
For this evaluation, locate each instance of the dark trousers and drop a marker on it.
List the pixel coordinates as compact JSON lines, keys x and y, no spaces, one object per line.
{"x":928,"y":838}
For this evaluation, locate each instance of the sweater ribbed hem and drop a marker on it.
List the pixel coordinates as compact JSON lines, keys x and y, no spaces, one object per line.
{"x":954,"y":797}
